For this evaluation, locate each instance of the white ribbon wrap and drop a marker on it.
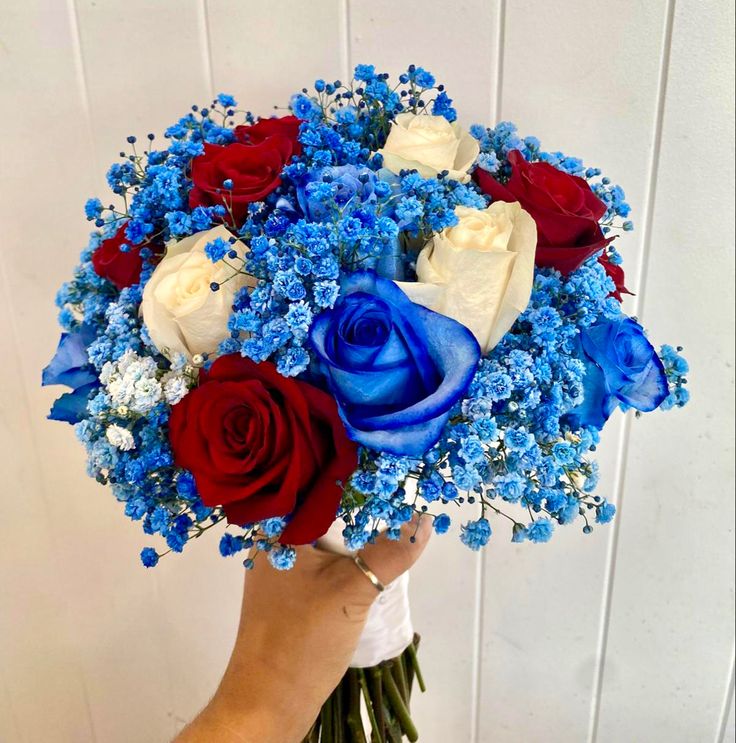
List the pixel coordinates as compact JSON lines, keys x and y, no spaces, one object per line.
{"x":388,"y":630}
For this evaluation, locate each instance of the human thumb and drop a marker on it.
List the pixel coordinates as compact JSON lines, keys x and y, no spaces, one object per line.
{"x":390,"y":558}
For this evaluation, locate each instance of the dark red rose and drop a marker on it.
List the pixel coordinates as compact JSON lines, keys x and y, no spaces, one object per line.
{"x":255,"y":171}
{"x":616,"y":273}
{"x":121,"y":268}
{"x":286,"y":126}
{"x":262,"y":445}
{"x":566,"y":210}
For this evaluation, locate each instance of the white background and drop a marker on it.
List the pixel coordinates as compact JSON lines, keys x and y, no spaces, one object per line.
{"x":624,"y":636}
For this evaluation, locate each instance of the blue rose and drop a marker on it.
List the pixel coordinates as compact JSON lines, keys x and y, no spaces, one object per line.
{"x":395,"y":368}
{"x":335,"y":186}
{"x":622,"y":366}
{"x":71,"y":367}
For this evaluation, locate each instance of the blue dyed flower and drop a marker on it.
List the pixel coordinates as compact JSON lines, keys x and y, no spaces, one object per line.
{"x":395,"y":368}
{"x":475,"y":534}
{"x":605,"y":513}
{"x":622,"y":366}
{"x":149,"y":557}
{"x":442,"y":523}
{"x":71,"y":367}
{"x":540,"y":531}
{"x":328,"y":190}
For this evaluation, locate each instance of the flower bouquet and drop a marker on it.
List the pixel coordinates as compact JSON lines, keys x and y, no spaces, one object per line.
{"x":315,"y":326}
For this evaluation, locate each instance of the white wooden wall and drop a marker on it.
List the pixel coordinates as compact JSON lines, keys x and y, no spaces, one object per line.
{"x":625,"y":636}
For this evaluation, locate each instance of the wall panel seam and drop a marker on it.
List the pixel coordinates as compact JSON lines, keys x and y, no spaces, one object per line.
{"x":80,"y":68}
{"x":622,"y":460}
{"x":500,"y":57}
{"x":347,"y":41}
{"x":727,"y":702}
{"x":477,"y":664}
{"x":481,"y":565}
{"x":206,"y":44}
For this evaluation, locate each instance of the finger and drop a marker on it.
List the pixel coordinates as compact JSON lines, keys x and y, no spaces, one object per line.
{"x":389,"y":559}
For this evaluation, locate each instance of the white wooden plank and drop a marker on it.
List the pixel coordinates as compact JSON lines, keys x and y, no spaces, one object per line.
{"x":455,"y":41}
{"x":392,"y":35}
{"x":672,"y":616}
{"x":145,"y":64}
{"x":42,"y":690}
{"x":9,"y":729}
{"x":44,"y":149}
{"x":543,"y":605}
{"x":262,"y":53}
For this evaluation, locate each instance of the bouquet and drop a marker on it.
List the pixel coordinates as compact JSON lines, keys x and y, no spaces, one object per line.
{"x":328,"y":321}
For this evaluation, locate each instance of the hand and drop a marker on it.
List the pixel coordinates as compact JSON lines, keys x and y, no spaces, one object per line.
{"x":298,"y":631}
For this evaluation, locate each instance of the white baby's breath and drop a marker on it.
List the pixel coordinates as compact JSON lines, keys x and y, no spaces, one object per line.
{"x":121,"y":438}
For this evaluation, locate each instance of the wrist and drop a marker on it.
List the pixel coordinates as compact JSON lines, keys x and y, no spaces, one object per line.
{"x":258,"y":703}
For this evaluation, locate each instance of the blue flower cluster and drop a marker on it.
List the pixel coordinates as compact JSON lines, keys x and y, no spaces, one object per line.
{"x":513,"y":441}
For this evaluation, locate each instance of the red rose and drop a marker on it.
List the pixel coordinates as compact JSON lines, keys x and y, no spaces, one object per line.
{"x":121,"y":268}
{"x":286,"y":126}
{"x":564,"y":207}
{"x":263,"y":445}
{"x":255,"y":171}
{"x":616,"y":274}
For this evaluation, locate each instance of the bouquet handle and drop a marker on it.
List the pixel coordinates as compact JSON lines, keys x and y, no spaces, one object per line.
{"x":375,"y":692}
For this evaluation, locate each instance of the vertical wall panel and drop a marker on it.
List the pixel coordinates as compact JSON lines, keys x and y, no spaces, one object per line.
{"x":455,"y":41}
{"x":145,"y":64}
{"x":392,"y":35}
{"x":44,"y":688}
{"x":589,"y":89}
{"x":669,"y":651}
{"x":264,"y":52}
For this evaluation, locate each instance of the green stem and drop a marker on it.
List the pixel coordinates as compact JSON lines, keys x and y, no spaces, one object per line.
{"x":397,"y":671}
{"x":397,"y":705}
{"x":408,"y":671}
{"x":354,"y":719}
{"x":338,"y":719}
{"x":412,"y":651}
{"x":328,"y":735}
{"x":386,"y":690}
{"x":377,"y":697}
{"x":313,"y":736}
{"x":393,"y":731}
{"x":376,"y":732}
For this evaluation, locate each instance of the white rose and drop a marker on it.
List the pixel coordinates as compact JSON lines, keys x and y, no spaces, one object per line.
{"x":480,"y":271}
{"x":429,"y":144}
{"x":182,"y":313}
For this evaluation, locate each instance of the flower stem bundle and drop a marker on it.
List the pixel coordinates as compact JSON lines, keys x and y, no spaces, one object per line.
{"x":372,"y":705}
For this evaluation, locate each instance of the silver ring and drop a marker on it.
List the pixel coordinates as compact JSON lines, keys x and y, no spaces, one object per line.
{"x":358,"y":560}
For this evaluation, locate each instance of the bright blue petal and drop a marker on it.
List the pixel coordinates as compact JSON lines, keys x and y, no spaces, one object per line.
{"x":650,"y":390}
{"x":395,"y":367}
{"x":71,"y":407}
{"x":70,"y":365}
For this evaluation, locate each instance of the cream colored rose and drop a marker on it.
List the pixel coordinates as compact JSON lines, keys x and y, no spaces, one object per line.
{"x":182,"y":313}
{"x":429,"y":144}
{"x":480,"y":271}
